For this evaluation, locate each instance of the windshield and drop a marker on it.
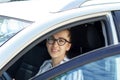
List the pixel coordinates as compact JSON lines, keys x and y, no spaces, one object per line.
{"x":9,"y":27}
{"x":1,"y":1}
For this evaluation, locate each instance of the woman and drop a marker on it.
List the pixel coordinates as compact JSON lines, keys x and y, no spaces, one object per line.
{"x":57,"y":45}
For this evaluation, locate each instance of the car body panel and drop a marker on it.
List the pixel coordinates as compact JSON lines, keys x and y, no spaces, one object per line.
{"x":81,"y":60}
{"x":43,"y":12}
{"x":99,"y":2}
{"x":47,"y":19}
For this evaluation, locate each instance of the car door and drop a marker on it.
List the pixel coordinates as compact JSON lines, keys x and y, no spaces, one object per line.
{"x":87,"y":59}
{"x":96,"y":65}
{"x":93,"y":58}
{"x":90,"y":31}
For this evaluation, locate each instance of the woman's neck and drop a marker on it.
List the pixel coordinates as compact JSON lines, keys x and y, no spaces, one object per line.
{"x":57,"y":61}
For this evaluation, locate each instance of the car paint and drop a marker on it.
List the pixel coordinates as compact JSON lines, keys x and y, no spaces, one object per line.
{"x":45,"y":21}
{"x":81,"y":60}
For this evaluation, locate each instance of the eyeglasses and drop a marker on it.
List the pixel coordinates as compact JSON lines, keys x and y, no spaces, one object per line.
{"x":60,"y":41}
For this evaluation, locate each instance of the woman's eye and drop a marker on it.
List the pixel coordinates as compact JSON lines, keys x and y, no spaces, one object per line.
{"x":61,"y":40}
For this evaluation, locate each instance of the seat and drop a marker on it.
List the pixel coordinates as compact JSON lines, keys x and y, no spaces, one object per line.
{"x":86,"y":37}
{"x":94,"y":37}
{"x":29,"y":64}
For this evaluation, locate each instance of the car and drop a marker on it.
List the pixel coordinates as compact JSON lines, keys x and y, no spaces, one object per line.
{"x":95,"y":29}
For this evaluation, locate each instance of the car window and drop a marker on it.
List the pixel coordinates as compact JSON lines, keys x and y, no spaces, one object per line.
{"x":116,"y":17}
{"x":9,"y":27}
{"x":105,"y":69}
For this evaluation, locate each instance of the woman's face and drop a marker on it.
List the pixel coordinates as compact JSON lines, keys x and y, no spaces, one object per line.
{"x":55,"y":49}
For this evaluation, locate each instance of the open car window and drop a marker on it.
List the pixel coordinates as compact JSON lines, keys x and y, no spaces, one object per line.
{"x":9,"y":27}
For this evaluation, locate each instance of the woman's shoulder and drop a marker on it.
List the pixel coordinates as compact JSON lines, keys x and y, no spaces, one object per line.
{"x":46,"y":62}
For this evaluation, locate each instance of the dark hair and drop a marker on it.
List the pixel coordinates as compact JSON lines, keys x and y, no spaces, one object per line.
{"x":69,"y":34}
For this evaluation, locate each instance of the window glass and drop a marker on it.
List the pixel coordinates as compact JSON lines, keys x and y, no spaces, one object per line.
{"x":10,"y":0}
{"x":116,"y":18}
{"x":9,"y":27}
{"x":4,"y":0}
{"x":105,"y":69}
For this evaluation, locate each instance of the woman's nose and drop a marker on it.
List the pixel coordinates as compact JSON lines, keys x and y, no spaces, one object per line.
{"x":55,"y":44}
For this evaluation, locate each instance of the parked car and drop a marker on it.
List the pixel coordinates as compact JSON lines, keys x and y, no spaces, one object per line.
{"x":95,"y":29}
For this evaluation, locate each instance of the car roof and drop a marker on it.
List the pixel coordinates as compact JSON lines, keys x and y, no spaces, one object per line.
{"x":99,"y":2}
{"x":34,"y":9}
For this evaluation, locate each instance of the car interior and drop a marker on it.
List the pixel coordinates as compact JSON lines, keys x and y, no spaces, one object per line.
{"x":85,"y":37}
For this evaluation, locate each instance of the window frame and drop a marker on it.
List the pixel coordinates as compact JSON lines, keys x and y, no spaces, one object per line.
{"x":66,"y":65}
{"x":116,"y":18}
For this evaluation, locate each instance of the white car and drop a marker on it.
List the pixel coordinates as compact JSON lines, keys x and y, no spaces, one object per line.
{"x":95,"y":28}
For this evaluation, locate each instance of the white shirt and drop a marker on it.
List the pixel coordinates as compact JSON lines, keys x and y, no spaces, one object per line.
{"x":71,"y":75}
{"x":48,"y":65}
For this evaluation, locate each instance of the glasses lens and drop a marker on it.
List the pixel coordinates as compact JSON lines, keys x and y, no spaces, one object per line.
{"x":50,"y":40}
{"x":61,"y":42}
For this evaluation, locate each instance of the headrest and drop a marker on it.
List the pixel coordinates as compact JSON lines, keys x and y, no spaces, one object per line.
{"x":94,"y":36}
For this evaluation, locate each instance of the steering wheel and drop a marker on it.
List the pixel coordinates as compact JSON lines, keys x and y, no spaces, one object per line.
{"x":5,"y":76}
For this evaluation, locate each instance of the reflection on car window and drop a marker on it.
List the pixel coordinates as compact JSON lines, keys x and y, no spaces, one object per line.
{"x":105,"y":69}
{"x":9,"y":27}
{"x":70,"y":75}
{"x":1,"y":1}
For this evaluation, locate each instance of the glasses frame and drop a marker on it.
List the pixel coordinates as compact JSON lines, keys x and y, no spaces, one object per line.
{"x":57,"y":40}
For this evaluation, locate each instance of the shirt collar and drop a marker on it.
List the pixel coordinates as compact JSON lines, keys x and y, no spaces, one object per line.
{"x":64,"y":60}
